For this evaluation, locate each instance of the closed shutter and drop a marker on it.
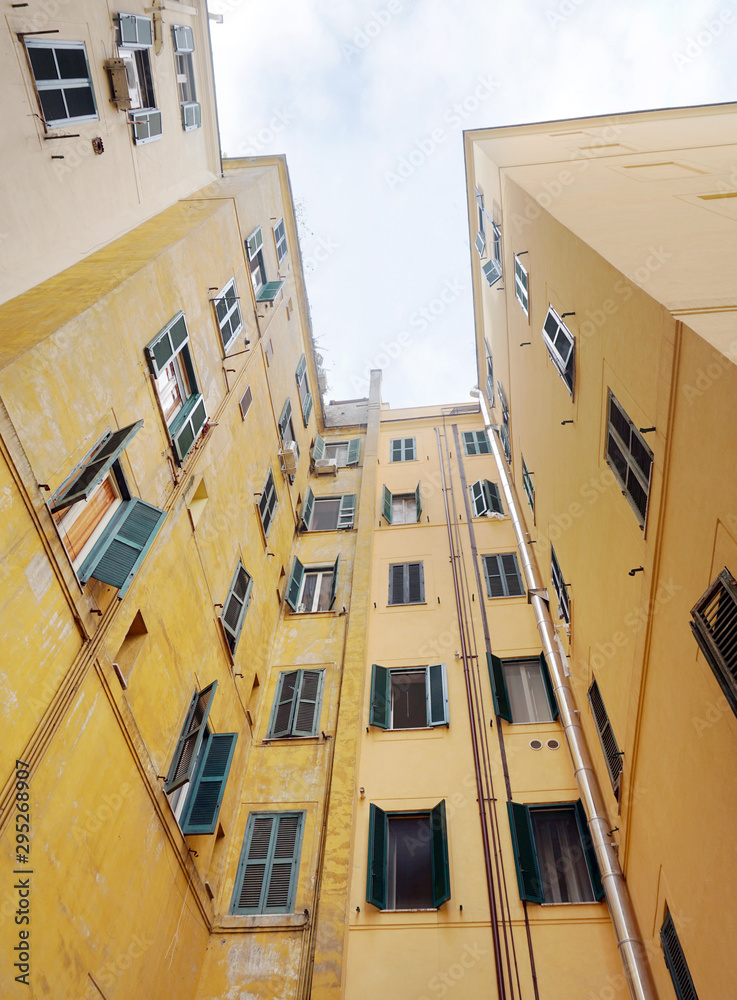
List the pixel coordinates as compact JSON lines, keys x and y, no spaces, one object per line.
{"x":492,"y":271}
{"x":416,"y":583}
{"x":284,"y":864}
{"x":236,"y":605}
{"x":409,"y":450}
{"x":267,"y":873}
{"x":186,"y":426}
{"x":307,"y":508}
{"x":347,"y":510}
{"x":203,"y":802}
{"x":386,"y":504}
{"x":499,"y":692}
{"x":251,"y":878}
{"x":190,"y":738}
{"x":381,"y":697}
{"x":183,"y":38}
{"x":675,"y":961}
{"x":440,"y":863}
{"x":494,"y":578}
{"x":607,"y":738}
{"x":295,"y":584}
{"x":280,"y":723}
{"x":469,"y":442}
{"x":94,"y":467}
{"x":525,"y":855}
{"x":512,"y":578}
{"x":318,"y":449}
{"x":376,"y":868}
{"x":116,"y":556}
{"x":397,"y":450}
{"x":307,"y":716}
{"x":548,"y":682}
{"x":482,"y":443}
{"x":334,"y":583}
{"x":167,"y":344}
{"x":588,"y":849}
{"x":354,"y":451}
{"x":418,"y":499}
{"x":437,"y":695}
{"x":396,"y":583}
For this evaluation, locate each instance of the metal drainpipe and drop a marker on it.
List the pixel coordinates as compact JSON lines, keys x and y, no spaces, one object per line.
{"x":629,"y":942}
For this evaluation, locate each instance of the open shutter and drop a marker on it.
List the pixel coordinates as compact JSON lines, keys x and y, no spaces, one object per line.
{"x":307,"y":716}
{"x":437,"y":695}
{"x":167,"y":344}
{"x":347,"y":510}
{"x":235,"y":606}
{"x":525,"y":855}
{"x":493,"y":497}
{"x":116,"y":556}
{"x":418,"y":499}
{"x":190,"y":738}
{"x":607,"y":738}
{"x":381,"y":697}
{"x":307,"y":508}
{"x":94,"y":467}
{"x":498,"y":687}
{"x":295,"y":584}
{"x":187,"y":424}
{"x":479,"y":500}
{"x":306,"y":408}
{"x":588,"y":849}
{"x":254,"y":243}
{"x":440,"y":865}
{"x":249,"y":882}
{"x":354,"y":451}
{"x":286,"y":416}
{"x":547,"y":681}
{"x":280,"y":723}
{"x":203,"y":802}
{"x":675,"y":961}
{"x":318,"y":449}
{"x":416,"y":583}
{"x":183,"y":38}
{"x":386,"y":504}
{"x":286,"y":842}
{"x":334,"y":584}
{"x":376,"y":874}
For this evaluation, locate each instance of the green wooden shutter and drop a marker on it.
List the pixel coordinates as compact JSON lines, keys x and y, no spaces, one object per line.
{"x":295,"y":584}
{"x":381,"y":697}
{"x":318,"y":449}
{"x":418,"y":499}
{"x":94,"y":467}
{"x":415,"y":576}
{"x":482,"y":443}
{"x":286,"y":840}
{"x":286,"y":416}
{"x":494,"y":579}
{"x":190,"y":738}
{"x":607,"y":738}
{"x":440,"y":864}
{"x":675,"y":961}
{"x":525,"y":855}
{"x":167,"y":344}
{"x":548,"y":682}
{"x":301,"y":370}
{"x":469,"y":442}
{"x":191,"y":115}
{"x":377,"y":850}
{"x":269,"y":291}
{"x":396,"y":583}
{"x":307,"y":715}
{"x":347,"y":510}
{"x":183,"y":38}
{"x":334,"y":584}
{"x":306,"y":408}
{"x":397,"y":450}
{"x":437,"y":695}
{"x":479,"y":501}
{"x":251,"y":877}
{"x":267,"y":873}
{"x":254,"y":243}
{"x":235,"y":606}
{"x":386,"y":504}
{"x":499,"y":693}
{"x":203,"y":802}
{"x":504,"y":435}
{"x":493,"y":496}
{"x":121,"y":549}
{"x":354,"y":451}
{"x":588,"y":848}
{"x":409,"y":450}
{"x":307,"y":508}
{"x":512,"y":578}
{"x":187,"y":424}
{"x":285,"y":698}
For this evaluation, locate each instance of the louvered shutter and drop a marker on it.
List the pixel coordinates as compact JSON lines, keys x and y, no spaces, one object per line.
{"x":377,"y":850}
{"x":354,"y":451}
{"x":588,"y":849}
{"x":675,"y":961}
{"x":318,"y":449}
{"x":525,"y":855}
{"x":254,"y":243}
{"x":167,"y":344}
{"x":94,"y":468}
{"x":499,"y":692}
{"x":286,"y":416}
{"x":190,"y":738}
{"x":119,"y":552}
{"x":493,"y":497}
{"x":334,"y":583}
{"x":381,"y":697}
{"x":409,"y":449}
{"x":396,"y":583}
{"x":307,"y":508}
{"x":548,"y":682}
{"x":494,"y":581}
{"x":397,"y":450}
{"x":512,"y":578}
{"x":187,"y":424}
{"x":607,"y":738}
{"x":306,"y":408}
{"x":386,"y":504}
{"x":440,"y":863}
{"x":295,"y":584}
{"x":235,"y":606}
{"x":479,"y":501}
{"x":482,"y":443}
{"x":183,"y":38}
{"x":282,"y":713}
{"x":284,"y":864}
{"x":301,"y":370}
{"x":347,"y":510}
{"x":506,"y":443}
{"x":307,"y":716}
{"x":251,"y":878}
{"x":416,"y":583}
{"x":469,"y":442}
{"x":418,"y":499}
{"x":437,"y":695}
{"x":203,"y":802}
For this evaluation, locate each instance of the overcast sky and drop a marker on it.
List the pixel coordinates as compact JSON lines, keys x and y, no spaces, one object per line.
{"x":368,"y":99}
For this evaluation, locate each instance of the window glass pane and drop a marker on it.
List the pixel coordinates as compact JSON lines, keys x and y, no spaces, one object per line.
{"x":409,"y":863}
{"x":409,"y":705}
{"x":43,"y":63}
{"x":323,"y":601}
{"x":72,"y":64}
{"x":52,"y":105}
{"x":325,"y":515}
{"x":526,"y":690}
{"x":404,"y":510}
{"x":338,"y":451}
{"x":565,"y":877}
{"x":308,"y":590}
{"x":79,"y":102}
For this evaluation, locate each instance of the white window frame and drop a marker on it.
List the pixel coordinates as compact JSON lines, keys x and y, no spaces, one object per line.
{"x":521,"y":285}
{"x":231,"y":311}
{"x":564,"y":363}
{"x":280,"y":241}
{"x":404,"y":508}
{"x":322,"y":573}
{"x":256,"y":259}
{"x":268,"y":513}
{"x":560,"y":587}
{"x":76,"y":83}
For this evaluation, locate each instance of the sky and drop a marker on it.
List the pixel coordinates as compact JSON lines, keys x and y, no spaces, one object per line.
{"x":368,"y":99}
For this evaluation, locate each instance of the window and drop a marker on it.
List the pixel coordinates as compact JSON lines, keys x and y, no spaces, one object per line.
{"x":199,"y":769}
{"x":506,"y":442}
{"x":528,"y":485}
{"x":675,"y":961}
{"x":407,"y":583}
{"x":714,"y":626}
{"x":266,"y":291}
{"x":480,"y":241}
{"x":236,"y":606}
{"x":486,"y":499}
{"x":280,"y":239}
{"x":246,"y":402}
{"x":408,"y":865}
{"x":503,"y":402}
{"x":522,"y":689}
{"x":503,"y":577}
{"x":402,"y":450}
{"x":63,"y":82}
{"x":183,"y":55}
{"x":629,"y":458}
{"x":266,"y":881}
{"x":492,"y":271}
{"x":182,"y":404}
{"x":612,"y":753}
{"x":136,"y":92}
{"x":296,"y":710}
{"x":560,"y":588}
{"x":305,"y":396}
{"x":268,"y":503}
{"x":402,"y":508}
{"x":328,"y":513}
{"x":312,"y":588}
{"x":476,"y":443}
{"x":286,"y":427}
{"x":228,"y":314}
{"x":344,"y":452}
{"x":411,"y":698}
{"x":521,"y":286}
{"x":553,"y":853}
{"x":489,"y":375}
{"x":560,"y":344}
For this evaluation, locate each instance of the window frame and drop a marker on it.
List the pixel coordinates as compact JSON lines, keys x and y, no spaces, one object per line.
{"x":704,"y":622}
{"x":500,"y":690}
{"x":295,"y":585}
{"x":233,"y":632}
{"x":564,"y":365}
{"x":522,"y":286}
{"x":346,"y":512}
{"x":381,"y":698}
{"x":387,"y":504}
{"x":377,"y":868}
{"x":406,"y":584}
{"x":74,"y":83}
{"x":230,"y":311}
{"x":502,"y":574}
{"x":268,"y":504}
{"x":399,"y":449}
{"x":280,"y":241}
{"x":268,"y":863}
{"x":476,"y":442}
{"x":486,"y":498}
{"x":352,"y":446}
{"x":560,"y":587}
{"x":633,"y":467}
{"x":290,"y":729}
{"x":675,"y":960}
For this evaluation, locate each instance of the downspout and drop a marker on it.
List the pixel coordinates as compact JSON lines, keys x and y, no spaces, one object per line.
{"x":629,"y":942}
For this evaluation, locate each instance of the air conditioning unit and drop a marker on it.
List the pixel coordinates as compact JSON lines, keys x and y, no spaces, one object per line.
{"x":124,"y":80}
{"x":289,"y":455}
{"x":326,"y":466}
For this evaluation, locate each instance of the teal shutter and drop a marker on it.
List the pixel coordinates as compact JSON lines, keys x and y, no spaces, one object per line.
{"x":377,"y":850}
{"x":525,"y":855}
{"x":301,"y":369}
{"x":190,"y":738}
{"x":183,"y":38}
{"x":347,"y":510}
{"x":306,"y":408}
{"x":499,"y":687}
{"x":440,"y":864}
{"x":94,"y":467}
{"x":187,"y":424}
{"x":252,"y":868}
{"x":588,"y":848}
{"x":386,"y":504}
{"x":418,"y":499}
{"x":307,"y":715}
{"x":334,"y":584}
{"x":493,"y":496}
{"x":282,"y":712}
{"x":482,"y":443}
{"x":203,"y":802}
{"x":254,"y":243}
{"x":235,"y":606}
{"x":494,"y":580}
{"x":381,"y":697}
{"x":512,"y":577}
{"x":396,"y":450}
{"x":437,"y":695}
{"x":409,"y":450}
{"x":469,"y":442}
{"x":318,"y":449}
{"x":269,"y":291}
{"x":478,"y":498}
{"x":307,"y":508}
{"x":121,"y":549}
{"x":286,"y":416}
{"x":167,"y":344}
{"x":354,"y":452}
{"x":548,"y":682}
{"x":282,"y":884}
{"x":295,"y":584}
{"x":267,"y":873}
{"x":504,"y":435}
